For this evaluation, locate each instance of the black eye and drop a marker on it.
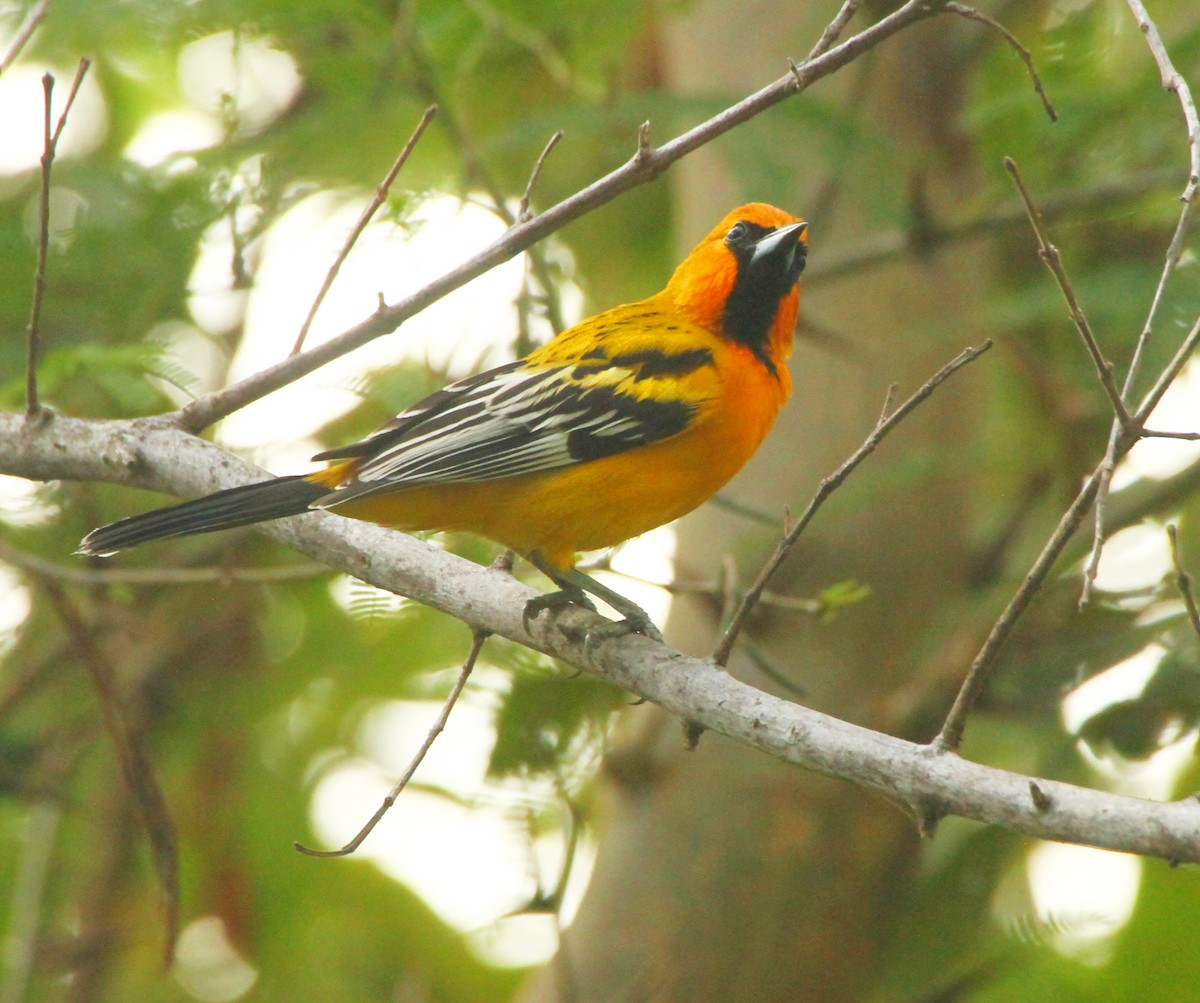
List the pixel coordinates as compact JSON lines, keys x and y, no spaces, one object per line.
{"x":737,"y":233}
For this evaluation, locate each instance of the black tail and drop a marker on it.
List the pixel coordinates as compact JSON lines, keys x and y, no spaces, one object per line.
{"x":241,"y":506}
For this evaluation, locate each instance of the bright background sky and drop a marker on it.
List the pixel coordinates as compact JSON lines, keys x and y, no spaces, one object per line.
{"x":485,"y":861}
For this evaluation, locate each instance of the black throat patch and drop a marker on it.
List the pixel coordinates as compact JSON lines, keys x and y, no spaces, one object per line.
{"x":759,"y":288}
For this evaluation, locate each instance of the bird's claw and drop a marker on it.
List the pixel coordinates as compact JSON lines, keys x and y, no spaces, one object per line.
{"x":554,"y":600}
{"x":619,"y":628}
{"x":632,"y":624}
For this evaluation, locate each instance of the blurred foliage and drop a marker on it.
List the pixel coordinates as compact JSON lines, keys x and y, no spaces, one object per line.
{"x":247,"y":693}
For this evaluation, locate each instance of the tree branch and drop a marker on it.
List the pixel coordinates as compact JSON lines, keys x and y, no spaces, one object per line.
{"x":480,"y":635}
{"x":1053,"y":261}
{"x":833,"y":31}
{"x":1176,"y":84}
{"x":1120,"y":430}
{"x":157,"y":455}
{"x":950,"y":737}
{"x":381,"y":194}
{"x":33,"y":18}
{"x":1022,"y":53}
{"x":33,"y":408}
{"x":523,"y":213}
{"x":887,"y":421}
{"x":1183,"y":580}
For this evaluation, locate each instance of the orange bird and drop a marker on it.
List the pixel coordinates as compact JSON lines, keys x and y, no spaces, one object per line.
{"x":619,"y":424}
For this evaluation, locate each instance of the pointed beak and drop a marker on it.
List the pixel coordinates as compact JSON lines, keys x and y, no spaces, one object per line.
{"x":785,"y":240}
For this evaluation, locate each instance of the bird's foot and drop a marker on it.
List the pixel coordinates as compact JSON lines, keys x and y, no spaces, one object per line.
{"x":555,"y":600}
{"x":634,"y":623}
{"x":636,"y":620}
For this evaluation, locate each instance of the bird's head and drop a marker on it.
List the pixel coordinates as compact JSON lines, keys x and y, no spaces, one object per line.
{"x":740,"y":282}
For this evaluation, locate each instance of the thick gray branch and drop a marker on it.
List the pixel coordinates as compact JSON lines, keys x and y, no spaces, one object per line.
{"x":157,"y":455}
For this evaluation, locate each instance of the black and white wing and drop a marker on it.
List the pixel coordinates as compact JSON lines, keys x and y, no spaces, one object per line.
{"x":516,"y":419}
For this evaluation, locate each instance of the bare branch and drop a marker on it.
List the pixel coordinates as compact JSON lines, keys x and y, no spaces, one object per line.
{"x":1173,"y":81}
{"x":381,"y":194}
{"x":1119,"y":443}
{"x":1124,"y":427}
{"x":1168,"y":375}
{"x":33,"y":18}
{"x":725,"y":646}
{"x":974,"y":15}
{"x":168,"y":459}
{"x":1155,"y":433}
{"x":1050,"y":256}
{"x":523,"y":215}
{"x":439,"y":725}
{"x":33,"y":407}
{"x":477,"y":173}
{"x":1183,"y":580}
{"x":833,"y":31}
{"x":80,"y":73}
{"x":950,"y":737}
{"x":1091,"y":567}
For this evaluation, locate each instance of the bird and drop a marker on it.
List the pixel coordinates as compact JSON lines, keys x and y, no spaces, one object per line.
{"x":619,"y":424}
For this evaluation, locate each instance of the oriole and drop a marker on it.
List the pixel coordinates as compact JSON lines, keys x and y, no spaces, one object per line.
{"x":619,"y":424}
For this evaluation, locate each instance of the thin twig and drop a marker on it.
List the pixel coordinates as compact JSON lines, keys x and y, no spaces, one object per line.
{"x":826,"y":488}
{"x":1174,"y":368}
{"x":1108,"y":467}
{"x":427,"y":84}
{"x":889,"y":401}
{"x":438,"y":725}
{"x":33,"y":407}
{"x":24,"y":33}
{"x":80,"y":73}
{"x":1174,"y":82}
{"x":1155,"y":433}
{"x":523,"y":214}
{"x":1050,"y":256}
{"x":974,"y":15}
{"x":1119,"y":444}
{"x":381,"y":194}
{"x":950,"y":737}
{"x":833,"y":30}
{"x":1183,"y":580}
{"x":203,"y":411}
{"x":134,"y":760}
